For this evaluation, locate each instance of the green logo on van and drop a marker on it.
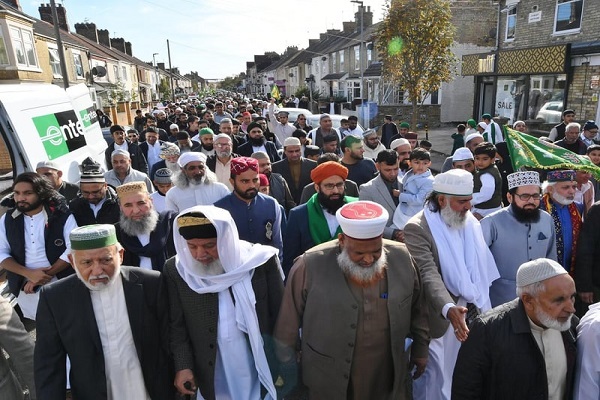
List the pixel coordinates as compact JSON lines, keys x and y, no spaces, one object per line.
{"x":88,"y":116}
{"x":61,"y":133}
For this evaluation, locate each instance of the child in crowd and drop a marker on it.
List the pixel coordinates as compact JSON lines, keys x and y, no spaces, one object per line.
{"x":162,"y":183}
{"x":487,"y":188}
{"x":416,"y":185}
{"x":459,"y":138}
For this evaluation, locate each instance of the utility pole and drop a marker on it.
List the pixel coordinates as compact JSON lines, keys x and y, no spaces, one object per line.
{"x":365,"y":118}
{"x":61,"y":54}
{"x":156,"y":76}
{"x":170,"y":72}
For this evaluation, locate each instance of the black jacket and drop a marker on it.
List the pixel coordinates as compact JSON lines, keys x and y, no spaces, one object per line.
{"x":211,"y":161}
{"x":587,"y":267}
{"x":501,"y":359}
{"x":194,"y":321}
{"x":246,"y":150}
{"x":108,"y":214}
{"x":66,"y":326}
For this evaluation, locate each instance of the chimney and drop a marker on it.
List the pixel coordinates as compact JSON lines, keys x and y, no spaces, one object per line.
{"x":87,"y":30}
{"x":161,"y":66}
{"x":46,"y":15}
{"x":12,"y":3}
{"x":313,"y":42}
{"x":128,"y":49}
{"x":118,"y":44}
{"x":368,"y":17}
{"x":103,"y":37}
{"x":349,"y":26}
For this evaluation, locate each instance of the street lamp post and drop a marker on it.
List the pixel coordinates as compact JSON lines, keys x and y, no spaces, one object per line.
{"x":365,"y":121}
{"x":156,"y":75}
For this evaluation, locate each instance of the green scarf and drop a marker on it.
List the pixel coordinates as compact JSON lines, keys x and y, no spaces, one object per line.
{"x":317,"y":224}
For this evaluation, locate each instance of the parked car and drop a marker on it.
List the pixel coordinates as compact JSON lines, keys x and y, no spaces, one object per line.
{"x":313,"y":120}
{"x":551,"y":112}
{"x":293,"y":113}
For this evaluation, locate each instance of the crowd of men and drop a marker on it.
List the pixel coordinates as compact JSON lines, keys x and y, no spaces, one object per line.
{"x":227,"y":253}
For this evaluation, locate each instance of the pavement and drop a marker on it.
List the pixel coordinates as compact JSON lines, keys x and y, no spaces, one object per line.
{"x":441,"y":141}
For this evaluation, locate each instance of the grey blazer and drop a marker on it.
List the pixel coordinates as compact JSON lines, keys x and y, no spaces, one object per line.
{"x":376,"y":191}
{"x":422,"y":248}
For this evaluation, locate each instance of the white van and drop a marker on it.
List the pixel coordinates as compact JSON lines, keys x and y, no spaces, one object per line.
{"x":45,"y":122}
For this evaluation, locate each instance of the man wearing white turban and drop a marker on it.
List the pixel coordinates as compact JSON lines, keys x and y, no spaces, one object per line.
{"x":195,"y":184}
{"x":224,"y":297}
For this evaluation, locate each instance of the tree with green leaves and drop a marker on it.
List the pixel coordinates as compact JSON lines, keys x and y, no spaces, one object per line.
{"x":414,"y":43}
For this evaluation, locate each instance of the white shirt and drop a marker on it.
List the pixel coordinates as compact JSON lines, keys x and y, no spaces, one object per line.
{"x":179,"y":199}
{"x":159,"y":201}
{"x":332,"y":222}
{"x":153,"y":154}
{"x":96,"y":207}
{"x":498,"y":132}
{"x":145,"y":262}
{"x":587,"y":376}
{"x":235,"y":372}
{"x":123,"y":146}
{"x":551,"y":345}
{"x":124,"y":377}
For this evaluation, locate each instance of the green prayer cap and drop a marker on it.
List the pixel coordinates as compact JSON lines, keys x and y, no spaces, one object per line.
{"x":405,"y":125}
{"x":206,"y":131}
{"x":93,"y":237}
{"x":471,"y":122}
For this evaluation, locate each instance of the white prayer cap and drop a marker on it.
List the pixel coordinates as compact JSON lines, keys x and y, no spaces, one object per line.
{"x":190,"y":156}
{"x":48,"y":164}
{"x":120,"y":152}
{"x":291,"y":141}
{"x":462,"y":154}
{"x":538,"y":270}
{"x":173,"y":126}
{"x":362,"y":219}
{"x":473,"y":136}
{"x":398,"y":142}
{"x":456,"y":182}
{"x":523,"y":178}
{"x":482,"y":125}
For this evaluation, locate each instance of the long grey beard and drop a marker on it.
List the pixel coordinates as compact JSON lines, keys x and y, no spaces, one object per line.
{"x":144,"y":226}
{"x":213,"y":268}
{"x":359,"y":274}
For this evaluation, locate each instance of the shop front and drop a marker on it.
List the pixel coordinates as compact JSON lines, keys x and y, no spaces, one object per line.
{"x":527,"y":84}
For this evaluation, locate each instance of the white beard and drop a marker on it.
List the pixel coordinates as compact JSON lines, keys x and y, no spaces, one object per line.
{"x":359,"y":274}
{"x":452,"y":218}
{"x":98,"y":286}
{"x":552,"y":323}
{"x":213,"y":268}
{"x":562,"y":200}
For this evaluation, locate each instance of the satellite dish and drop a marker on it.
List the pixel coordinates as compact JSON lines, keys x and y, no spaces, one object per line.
{"x":99,"y":71}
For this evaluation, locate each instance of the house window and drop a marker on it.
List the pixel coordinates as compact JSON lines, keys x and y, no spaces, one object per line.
{"x":3,"y":52}
{"x":116,"y":72}
{"x":369,"y":53}
{"x":55,"y":63}
{"x":24,"y":49}
{"x":333,"y":63}
{"x":341,"y":60}
{"x":78,"y":65}
{"x":357,"y":57}
{"x":511,"y":23}
{"x":568,"y":16}
{"x":124,"y":74}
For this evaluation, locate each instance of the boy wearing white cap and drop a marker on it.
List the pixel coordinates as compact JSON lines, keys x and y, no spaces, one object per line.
{"x":356,"y":299}
{"x":518,"y":233}
{"x":500,"y":359}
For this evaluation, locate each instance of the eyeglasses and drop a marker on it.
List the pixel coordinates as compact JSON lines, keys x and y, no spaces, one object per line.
{"x":331,"y":186}
{"x":527,"y":196}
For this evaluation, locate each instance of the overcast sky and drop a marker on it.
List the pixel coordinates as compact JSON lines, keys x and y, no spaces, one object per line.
{"x":215,"y":38}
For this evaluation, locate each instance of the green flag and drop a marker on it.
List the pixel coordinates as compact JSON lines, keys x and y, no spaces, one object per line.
{"x":529,"y":151}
